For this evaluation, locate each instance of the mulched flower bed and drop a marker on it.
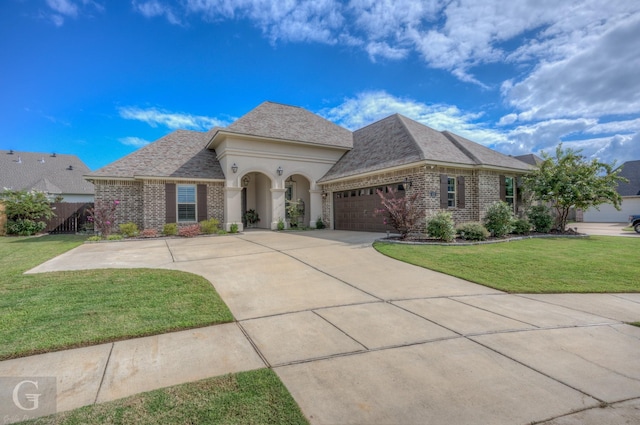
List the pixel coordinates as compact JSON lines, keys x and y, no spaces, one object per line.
{"x":573,"y":233}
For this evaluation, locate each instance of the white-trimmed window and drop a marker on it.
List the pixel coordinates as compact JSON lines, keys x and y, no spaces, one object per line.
{"x":510,"y":191}
{"x":186,"y":203}
{"x":451,"y":192}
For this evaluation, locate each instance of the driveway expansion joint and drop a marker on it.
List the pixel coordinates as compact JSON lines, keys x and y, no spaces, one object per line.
{"x":104,"y":372}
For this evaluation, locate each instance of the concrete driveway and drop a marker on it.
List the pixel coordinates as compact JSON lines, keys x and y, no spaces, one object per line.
{"x":360,"y":338}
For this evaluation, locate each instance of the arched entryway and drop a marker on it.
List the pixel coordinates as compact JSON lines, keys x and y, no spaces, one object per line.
{"x":297,"y":190}
{"x":256,"y":200}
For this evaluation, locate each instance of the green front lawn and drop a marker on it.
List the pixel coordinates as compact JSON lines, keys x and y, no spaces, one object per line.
{"x":55,"y":311}
{"x":255,"y":397}
{"x":593,"y":264}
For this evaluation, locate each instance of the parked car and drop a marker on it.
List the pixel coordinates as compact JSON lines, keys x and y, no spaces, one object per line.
{"x":634,"y":221}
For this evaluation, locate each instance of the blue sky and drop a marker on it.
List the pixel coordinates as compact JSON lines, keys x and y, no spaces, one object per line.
{"x":100,"y":78}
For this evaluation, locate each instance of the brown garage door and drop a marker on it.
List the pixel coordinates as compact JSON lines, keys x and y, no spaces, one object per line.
{"x":354,"y":209}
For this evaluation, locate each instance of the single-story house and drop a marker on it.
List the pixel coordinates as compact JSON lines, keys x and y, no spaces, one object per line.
{"x":630,"y":193}
{"x":277,"y":152}
{"x":60,"y":176}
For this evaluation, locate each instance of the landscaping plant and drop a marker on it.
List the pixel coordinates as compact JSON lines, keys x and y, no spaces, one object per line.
{"x":442,"y":227}
{"x":521,"y":226}
{"x":320,"y":224}
{"x":401,"y":212}
{"x":189,"y":231}
{"x":129,"y":230}
{"x":540,"y":218}
{"x":26,"y":211}
{"x":499,"y":219}
{"x":209,"y":227}
{"x":103,"y":216}
{"x":149,"y":233}
{"x":570,"y":180}
{"x":170,"y":229}
{"x":233,"y":228}
{"x":472,"y":231}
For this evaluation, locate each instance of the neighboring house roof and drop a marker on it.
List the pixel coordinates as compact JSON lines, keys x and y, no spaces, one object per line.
{"x":284,"y":122}
{"x":398,"y":140}
{"x":530,"y":158}
{"x":52,"y":173}
{"x":630,"y":171}
{"x":181,"y":154}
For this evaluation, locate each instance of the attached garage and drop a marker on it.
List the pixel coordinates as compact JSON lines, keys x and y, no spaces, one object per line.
{"x":608,"y":214}
{"x":355,"y":209}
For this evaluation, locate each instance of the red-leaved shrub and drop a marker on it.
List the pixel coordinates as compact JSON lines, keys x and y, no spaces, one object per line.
{"x":149,"y":233}
{"x":189,"y":231}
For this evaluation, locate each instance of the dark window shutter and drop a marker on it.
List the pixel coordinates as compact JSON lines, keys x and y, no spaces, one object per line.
{"x":460,"y":200}
{"x":444,"y":191}
{"x":171,"y":206}
{"x":202,"y":202}
{"x":503,"y":189}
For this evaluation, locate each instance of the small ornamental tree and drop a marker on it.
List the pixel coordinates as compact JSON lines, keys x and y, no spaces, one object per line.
{"x":568,"y":180}
{"x":26,"y":211}
{"x":103,"y":217}
{"x":400,"y":212}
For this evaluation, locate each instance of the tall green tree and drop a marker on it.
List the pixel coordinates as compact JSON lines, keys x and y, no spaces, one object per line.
{"x":26,"y":211}
{"x":569,"y":179}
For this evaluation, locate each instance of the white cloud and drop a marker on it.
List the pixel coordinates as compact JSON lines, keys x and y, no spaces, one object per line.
{"x":382,"y":49}
{"x":62,"y":9}
{"x":134,"y":141}
{"x":154,"y":8}
{"x":368,"y":107}
{"x":172,"y":120}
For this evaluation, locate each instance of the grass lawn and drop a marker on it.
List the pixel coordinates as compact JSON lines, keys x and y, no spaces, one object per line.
{"x":593,"y":264}
{"x":55,"y":311}
{"x":255,"y":397}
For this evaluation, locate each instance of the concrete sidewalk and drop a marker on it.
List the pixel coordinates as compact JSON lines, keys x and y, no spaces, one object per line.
{"x":360,"y":338}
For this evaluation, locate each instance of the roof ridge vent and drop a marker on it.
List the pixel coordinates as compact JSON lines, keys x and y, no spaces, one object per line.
{"x":19,"y":160}
{"x":10,"y":152}
{"x":53,"y":155}
{"x":70,"y":168}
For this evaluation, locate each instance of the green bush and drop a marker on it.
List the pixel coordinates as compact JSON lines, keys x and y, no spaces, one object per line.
{"x":499,"y":219}
{"x":115,"y":237}
{"x":221,"y":232}
{"x":472,"y":231}
{"x":233,"y":228}
{"x":209,"y":227}
{"x":94,"y":238}
{"x":280,"y":224}
{"x":129,"y":230}
{"x":521,"y":227}
{"x":25,"y":227}
{"x":320,"y":224}
{"x":170,"y":229}
{"x":540,"y":218}
{"x":442,"y":227}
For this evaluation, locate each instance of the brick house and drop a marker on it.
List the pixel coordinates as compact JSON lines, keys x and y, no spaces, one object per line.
{"x":278,"y":152}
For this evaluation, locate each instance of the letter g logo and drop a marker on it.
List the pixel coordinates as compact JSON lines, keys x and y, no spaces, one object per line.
{"x":30,"y":397}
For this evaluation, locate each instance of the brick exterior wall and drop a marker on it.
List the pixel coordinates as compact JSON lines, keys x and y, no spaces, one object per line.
{"x":482,"y":188}
{"x":144,"y":202}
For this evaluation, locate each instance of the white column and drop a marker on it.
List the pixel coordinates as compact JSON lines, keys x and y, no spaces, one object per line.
{"x":315,"y":207}
{"x":277,"y":207}
{"x":233,"y":207}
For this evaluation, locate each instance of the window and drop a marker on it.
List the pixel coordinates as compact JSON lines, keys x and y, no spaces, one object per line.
{"x":186,"y":203}
{"x":451,"y":192}
{"x":509,"y":189}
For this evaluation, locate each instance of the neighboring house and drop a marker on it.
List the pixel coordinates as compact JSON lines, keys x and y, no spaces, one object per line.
{"x":630,"y":193}
{"x":59,"y":175}
{"x":530,"y":158}
{"x":277,"y":153}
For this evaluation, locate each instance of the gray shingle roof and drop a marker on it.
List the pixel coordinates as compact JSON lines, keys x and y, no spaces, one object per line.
{"x":181,"y":154}
{"x":278,"y":121}
{"x":631,"y":171}
{"x":44,"y":172}
{"x":530,"y":158}
{"x":398,"y":140}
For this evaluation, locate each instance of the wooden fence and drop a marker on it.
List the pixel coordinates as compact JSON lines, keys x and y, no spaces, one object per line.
{"x":71,"y":217}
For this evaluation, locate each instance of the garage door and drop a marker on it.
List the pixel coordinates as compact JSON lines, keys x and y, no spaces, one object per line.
{"x":354,"y":209}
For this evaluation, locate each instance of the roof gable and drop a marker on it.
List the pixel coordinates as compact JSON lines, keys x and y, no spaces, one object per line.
{"x":181,"y":154}
{"x":284,"y":122}
{"x":52,"y":173}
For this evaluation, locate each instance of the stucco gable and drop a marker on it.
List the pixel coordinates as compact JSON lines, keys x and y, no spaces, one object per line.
{"x":284,"y":122}
{"x":181,"y":154}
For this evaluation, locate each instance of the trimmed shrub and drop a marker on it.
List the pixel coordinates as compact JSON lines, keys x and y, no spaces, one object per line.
{"x":499,"y":219}
{"x":25,"y":227}
{"x":521,"y":227}
{"x":149,"y":233}
{"x":189,"y":231}
{"x":472,"y":231}
{"x":280,"y":224}
{"x":209,"y":227}
{"x":129,"y":230}
{"x":170,"y":229}
{"x":115,"y":237}
{"x":320,"y":224}
{"x":442,"y":227}
{"x":233,"y":228}
{"x":94,"y":238}
{"x":540,"y":218}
